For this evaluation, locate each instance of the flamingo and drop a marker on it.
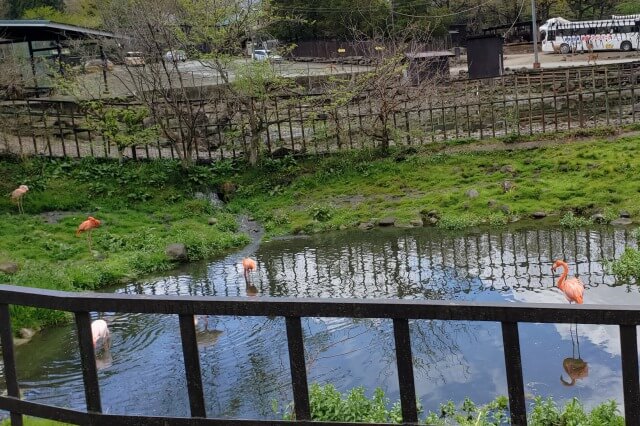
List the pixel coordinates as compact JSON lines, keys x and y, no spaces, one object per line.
{"x":576,"y":368}
{"x":249,"y":264}
{"x":17,"y":194}
{"x":572,"y":287}
{"x":88,"y":225}
{"x":100,"y":330}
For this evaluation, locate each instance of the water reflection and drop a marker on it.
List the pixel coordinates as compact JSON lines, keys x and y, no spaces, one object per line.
{"x":245,"y":362}
{"x":576,"y":368}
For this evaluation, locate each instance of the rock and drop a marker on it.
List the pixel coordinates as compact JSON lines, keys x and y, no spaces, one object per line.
{"x":527,"y":161}
{"x":623,"y":221}
{"x":433,"y":220}
{"x":8,"y":267}
{"x":625,"y":214}
{"x":492,"y":203}
{"x":387,"y":221}
{"x":433,"y":213}
{"x":472,"y":193}
{"x":563,"y":168}
{"x":598,"y":218}
{"x":508,"y":169}
{"x":212,"y":221}
{"x":26,"y":333}
{"x":416,"y":223}
{"x":365,"y":226}
{"x":505,"y":209}
{"x":343,"y":227}
{"x":507,"y":186}
{"x":539,"y":215}
{"x":176,"y":251}
{"x":466,"y":206}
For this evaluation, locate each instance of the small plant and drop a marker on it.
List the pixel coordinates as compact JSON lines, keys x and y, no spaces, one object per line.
{"x":457,"y":222}
{"x":570,"y":221}
{"x":321,"y":213}
{"x":627,"y":267}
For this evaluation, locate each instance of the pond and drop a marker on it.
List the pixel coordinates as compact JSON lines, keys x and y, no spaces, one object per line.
{"x":245,"y":364}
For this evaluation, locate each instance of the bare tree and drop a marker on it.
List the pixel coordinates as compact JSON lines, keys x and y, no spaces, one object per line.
{"x":161,"y":34}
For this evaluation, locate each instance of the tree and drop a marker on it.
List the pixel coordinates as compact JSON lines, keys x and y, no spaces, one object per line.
{"x":18,"y":7}
{"x":211,"y":31}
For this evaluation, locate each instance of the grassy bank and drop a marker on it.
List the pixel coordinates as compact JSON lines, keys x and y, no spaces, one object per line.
{"x":143,"y":208}
{"x":465,"y":188}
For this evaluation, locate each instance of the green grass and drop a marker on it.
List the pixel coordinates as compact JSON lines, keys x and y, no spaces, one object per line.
{"x":34,"y":421}
{"x":328,"y":404}
{"x":319,"y":194}
{"x":143,"y":208}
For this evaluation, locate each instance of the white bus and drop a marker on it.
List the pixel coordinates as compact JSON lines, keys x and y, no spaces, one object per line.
{"x":559,"y":35}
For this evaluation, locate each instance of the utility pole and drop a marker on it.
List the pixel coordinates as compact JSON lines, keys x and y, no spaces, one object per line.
{"x":534,"y":30}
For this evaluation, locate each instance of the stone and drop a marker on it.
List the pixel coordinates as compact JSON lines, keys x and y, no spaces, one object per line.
{"x":433,"y":220}
{"x":8,"y":267}
{"x":416,"y":223}
{"x":466,"y":206}
{"x":26,"y":333}
{"x":623,"y":221}
{"x":387,"y":221}
{"x":433,"y":213}
{"x":343,"y":227}
{"x":505,"y":209}
{"x":563,"y":168}
{"x":598,"y":218}
{"x":472,"y":193}
{"x":507,"y":186}
{"x":625,"y":214}
{"x":492,"y":203}
{"x":365,"y":226}
{"x":539,"y":215}
{"x":177,"y":252}
{"x":508,"y":169}
{"x":212,"y":221}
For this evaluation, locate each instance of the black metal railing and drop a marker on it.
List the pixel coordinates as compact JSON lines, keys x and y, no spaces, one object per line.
{"x":400,"y":311}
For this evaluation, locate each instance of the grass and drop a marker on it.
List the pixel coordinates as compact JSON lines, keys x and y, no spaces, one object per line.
{"x":320,"y":194}
{"x":143,"y":208}
{"x":34,"y":421}
{"x":328,"y":404}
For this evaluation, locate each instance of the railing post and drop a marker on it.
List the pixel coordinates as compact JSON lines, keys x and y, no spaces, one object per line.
{"x":630,"y":377}
{"x":298,"y":368}
{"x":192,"y":366}
{"x":88,"y":359}
{"x":513,"y":364}
{"x":9,"y":360}
{"x":405,"y":371}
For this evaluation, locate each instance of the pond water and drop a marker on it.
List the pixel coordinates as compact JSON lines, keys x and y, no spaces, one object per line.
{"x":245,"y":362}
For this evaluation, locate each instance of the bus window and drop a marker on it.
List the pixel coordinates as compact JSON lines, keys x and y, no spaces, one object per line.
{"x":551,"y":36}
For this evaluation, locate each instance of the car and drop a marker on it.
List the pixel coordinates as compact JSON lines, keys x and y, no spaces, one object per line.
{"x":266,"y":55}
{"x":175,"y":55}
{"x":134,"y":59}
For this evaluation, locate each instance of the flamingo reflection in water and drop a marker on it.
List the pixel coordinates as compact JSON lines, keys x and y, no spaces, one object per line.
{"x":576,"y":368}
{"x":249,"y":265}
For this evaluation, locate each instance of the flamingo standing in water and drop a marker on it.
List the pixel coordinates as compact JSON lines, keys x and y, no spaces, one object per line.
{"x":100,"y":330}
{"x":248,"y":265}
{"x":88,"y":225}
{"x":572,"y":287}
{"x":17,"y":194}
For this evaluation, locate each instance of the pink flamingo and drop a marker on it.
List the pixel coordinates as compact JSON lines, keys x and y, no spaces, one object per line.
{"x":572,"y":287}
{"x":88,"y":225}
{"x":248,"y":265}
{"x":17,"y":194}
{"x":100,"y":330}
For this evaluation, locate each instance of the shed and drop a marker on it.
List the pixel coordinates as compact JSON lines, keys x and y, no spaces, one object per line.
{"x":428,"y":65}
{"x":484,"y":56}
{"x":31,"y":31}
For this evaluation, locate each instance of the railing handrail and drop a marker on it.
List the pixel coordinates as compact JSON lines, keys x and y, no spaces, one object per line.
{"x":322,"y":307}
{"x":292,"y":309}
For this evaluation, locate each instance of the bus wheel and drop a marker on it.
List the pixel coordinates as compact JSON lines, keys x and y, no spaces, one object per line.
{"x":626,"y":46}
{"x":565,"y":49}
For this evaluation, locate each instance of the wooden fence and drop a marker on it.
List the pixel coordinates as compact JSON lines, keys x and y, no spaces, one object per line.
{"x":400,"y":311}
{"x":523,"y":103}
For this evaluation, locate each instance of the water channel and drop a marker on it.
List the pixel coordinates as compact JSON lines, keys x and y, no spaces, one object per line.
{"x":245,"y":362}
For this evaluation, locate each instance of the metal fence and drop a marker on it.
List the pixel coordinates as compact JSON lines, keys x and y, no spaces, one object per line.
{"x":400,"y":311}
{"x":523,"y":103}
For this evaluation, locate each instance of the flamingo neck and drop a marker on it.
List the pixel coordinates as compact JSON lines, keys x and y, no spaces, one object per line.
{"x":563,"y":277}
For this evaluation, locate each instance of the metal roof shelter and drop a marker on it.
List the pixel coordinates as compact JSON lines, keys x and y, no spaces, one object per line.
{"x":21,"y":31}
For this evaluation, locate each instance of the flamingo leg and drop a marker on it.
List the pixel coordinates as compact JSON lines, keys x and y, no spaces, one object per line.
{"x":89,"y":239}
{"x":20,"y":209}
